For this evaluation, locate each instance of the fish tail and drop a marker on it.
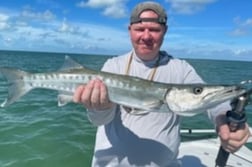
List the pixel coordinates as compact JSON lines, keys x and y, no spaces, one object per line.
{"x":17,"y":86}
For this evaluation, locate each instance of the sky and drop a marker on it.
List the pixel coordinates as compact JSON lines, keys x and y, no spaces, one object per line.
{"x":201,"y":29}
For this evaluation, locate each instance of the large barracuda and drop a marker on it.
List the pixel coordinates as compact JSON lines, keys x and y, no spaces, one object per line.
{"x":140,"y":94}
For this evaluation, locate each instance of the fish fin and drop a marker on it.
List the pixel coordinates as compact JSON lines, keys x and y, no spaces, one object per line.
{"x":70,"y":64}
{"x":17,"y":86}
{"x":64,"y":99}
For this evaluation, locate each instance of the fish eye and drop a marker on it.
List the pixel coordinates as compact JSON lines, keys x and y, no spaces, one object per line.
{"x":197,"y":90}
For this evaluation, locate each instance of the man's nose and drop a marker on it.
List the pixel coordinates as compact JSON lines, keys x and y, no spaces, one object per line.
{"x":146,"y":34}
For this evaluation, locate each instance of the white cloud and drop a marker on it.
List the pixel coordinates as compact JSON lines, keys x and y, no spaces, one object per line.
{"x":47,"y":15}
{"x":4,"y":21}
{"x":80,"y":37}
{"x":65,"y":27}
{"x":243,"y":52}
{"x":189,"y":47}
{"x":116,"y":11}
{"x":3,"y":17}
{"x":99,"y":3}
{"x":3,"y":25}
{"x":248,"y":22}
{"x":188,"y":6}
{"x":243,"y":27}
{"x":62,"y":36}
{"x":243,"y":23}
{"x":111,"y":8}
{"x":239,"y":32}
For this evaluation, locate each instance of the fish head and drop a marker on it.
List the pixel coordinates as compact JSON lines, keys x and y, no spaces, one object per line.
{"x":189,"y":100}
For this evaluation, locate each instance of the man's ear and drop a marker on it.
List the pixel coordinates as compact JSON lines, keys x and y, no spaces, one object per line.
{"x":129,"y":27}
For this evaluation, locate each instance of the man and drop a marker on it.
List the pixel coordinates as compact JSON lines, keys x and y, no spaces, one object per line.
{"x":125,"y":138}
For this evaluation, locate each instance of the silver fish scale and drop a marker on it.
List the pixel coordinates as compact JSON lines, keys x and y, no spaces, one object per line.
{"x":55,"y":81}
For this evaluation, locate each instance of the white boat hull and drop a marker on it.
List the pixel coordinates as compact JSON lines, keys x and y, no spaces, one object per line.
{"x":202,"y":153}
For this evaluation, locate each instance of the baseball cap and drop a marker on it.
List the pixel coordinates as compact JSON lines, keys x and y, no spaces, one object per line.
{"x":148,"y":5}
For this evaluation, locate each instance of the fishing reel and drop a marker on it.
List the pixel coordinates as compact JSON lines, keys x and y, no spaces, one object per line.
{"x":236,"y":119}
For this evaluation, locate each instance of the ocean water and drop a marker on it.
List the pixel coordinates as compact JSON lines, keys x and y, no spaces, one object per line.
{"x":35,"y":132}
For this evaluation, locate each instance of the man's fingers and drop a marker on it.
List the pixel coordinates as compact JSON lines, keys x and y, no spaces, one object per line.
{"x":224,"y":132}
{"x":104,"y":95}
{"x":95,"y":96}
{"x":77,"y":94}
{"x":86,"y":94}
{"x":236,"y":139}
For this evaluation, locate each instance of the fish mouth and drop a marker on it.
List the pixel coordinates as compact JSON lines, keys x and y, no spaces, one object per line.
{"x":228,"y":93}
{"x":236,"y":89}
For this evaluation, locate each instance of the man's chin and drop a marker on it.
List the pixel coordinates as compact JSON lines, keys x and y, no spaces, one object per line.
{"x":145,"y":51}
{"x":146,"y":55}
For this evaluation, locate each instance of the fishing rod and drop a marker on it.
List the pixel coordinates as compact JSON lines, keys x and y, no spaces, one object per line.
{"x":236,"y":119}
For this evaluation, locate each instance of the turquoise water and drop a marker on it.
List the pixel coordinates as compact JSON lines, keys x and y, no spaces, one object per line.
{"x":36,"y":132}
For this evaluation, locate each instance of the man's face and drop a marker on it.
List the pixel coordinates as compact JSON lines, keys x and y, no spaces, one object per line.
{"x":147,"y":37}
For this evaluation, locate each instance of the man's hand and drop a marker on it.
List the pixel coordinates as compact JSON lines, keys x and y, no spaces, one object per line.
{"x":93,"y":95}
{"x":231,"y":141}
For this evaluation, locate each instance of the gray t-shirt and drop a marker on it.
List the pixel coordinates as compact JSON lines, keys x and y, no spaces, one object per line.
{"x":148,"y":139}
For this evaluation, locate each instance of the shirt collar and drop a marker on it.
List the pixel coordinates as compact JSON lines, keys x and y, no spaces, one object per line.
{"x":149,"y":63}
